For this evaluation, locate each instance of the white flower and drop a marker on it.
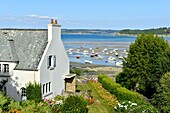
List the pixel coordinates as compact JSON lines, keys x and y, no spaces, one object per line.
{"x":129,"y":102}
{"x":119,"y":104}
{"x":134,"y":104}
{"x":115,"y":107}
{"x":125,"y":107}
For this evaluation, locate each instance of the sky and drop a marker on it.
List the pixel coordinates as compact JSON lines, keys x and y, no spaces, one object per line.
{"x":85,"y":14}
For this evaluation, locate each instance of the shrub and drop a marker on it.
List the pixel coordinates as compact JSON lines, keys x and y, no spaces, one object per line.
{"x":34,"y":92}
{"x":124,"y":95}
{"x":76,"y":71}
{"x":74,"y":104}
{"x":161,"y":98}
{"x":4,"y":102}
{"x":121,"y":93}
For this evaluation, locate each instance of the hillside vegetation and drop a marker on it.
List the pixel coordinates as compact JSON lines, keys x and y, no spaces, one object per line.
{"x":158,"y":31}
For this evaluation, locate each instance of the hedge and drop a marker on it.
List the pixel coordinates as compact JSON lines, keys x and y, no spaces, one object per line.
{"x":121,"y":93}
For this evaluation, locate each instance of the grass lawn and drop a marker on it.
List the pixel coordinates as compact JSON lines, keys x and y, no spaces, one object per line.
{"x":100,"y":105}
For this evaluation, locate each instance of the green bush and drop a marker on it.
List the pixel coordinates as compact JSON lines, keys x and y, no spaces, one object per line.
{"x":76,"y":71}
{"x":124,"y":95}
{"x":121,"y":93}
{"x":74,"y":104}
{"x":4,"y":101}
{"x":161,"y":99}
{"x":34,"y":92}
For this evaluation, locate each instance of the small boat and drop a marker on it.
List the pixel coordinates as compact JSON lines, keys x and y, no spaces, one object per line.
{"x":100,"y":57}
{"x":70,"y":53}
{"x":116,"y":54}
{"x":88,"y":61}
{"x":106,"y":53}
{"x":111,"y":58}
{"x":78,"y":56}
{"x":85,"y":52}
{"x":115,"y":50}
{"x":120,"y":57}
{"x":96,"y":55}
{"x":92,"y":55}
{"x":119,"y":64}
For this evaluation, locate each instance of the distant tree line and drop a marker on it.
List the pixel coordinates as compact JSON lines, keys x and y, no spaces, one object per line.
{"x":88,"y":31}
{"x":159,"y":31}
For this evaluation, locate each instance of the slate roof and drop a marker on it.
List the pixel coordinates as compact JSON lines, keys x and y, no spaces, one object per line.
{"x":27,"y":48}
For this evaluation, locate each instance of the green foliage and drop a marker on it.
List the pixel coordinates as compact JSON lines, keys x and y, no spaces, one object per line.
{"x":161,"y":98}
{"x":34,"y":92}
{"x":74,"y":104}
{"x":76,"y":71}
{"x":59,"y":97}
{"x":124,"y":95}
{"x":141,"y":69}
{"x":121,"y":93}
{"x":4,"y":101}
{"x":159,"y":31}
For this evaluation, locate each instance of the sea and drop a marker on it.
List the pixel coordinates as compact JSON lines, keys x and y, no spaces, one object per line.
{"x":92,"y":41}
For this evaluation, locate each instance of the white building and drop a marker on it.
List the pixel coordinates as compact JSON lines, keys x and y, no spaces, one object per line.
{"x":33,"y":55}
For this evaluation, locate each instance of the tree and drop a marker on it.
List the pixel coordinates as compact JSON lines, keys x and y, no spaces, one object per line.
{"x":34,"y":92}
{"x":141,"y":69}
{"x":161,"y":99}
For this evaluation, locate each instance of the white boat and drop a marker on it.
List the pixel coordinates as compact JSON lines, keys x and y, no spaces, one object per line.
{"x":111,"y":58}
{"x":119,"y":64}
{"x":88,"y":61}
{"x":100,"y":57}
{"x":85,"y":52}
{"x":70,"y":53}
{"x":120,"y":57}
{"x":116,"y":54}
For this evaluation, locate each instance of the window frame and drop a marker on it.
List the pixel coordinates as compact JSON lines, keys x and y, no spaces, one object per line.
{"x":51,"y":62}
{"x":6,"y":68}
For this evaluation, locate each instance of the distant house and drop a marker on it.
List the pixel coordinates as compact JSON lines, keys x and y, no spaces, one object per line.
{"x":34,"y":55}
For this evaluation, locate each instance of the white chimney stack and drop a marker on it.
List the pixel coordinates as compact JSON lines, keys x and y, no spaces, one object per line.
{"x":54,"y":30}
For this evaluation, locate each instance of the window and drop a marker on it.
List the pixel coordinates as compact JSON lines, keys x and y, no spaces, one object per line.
{"x":43,"y":88}
{"x":6,"y":68}
{"x":23,"y":92}
{"x":51,"y":62}
{"x":46,"y":87}
{"x":49,"y":86}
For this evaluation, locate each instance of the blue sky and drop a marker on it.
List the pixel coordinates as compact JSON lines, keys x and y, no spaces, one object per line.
{"x":82,"y":14}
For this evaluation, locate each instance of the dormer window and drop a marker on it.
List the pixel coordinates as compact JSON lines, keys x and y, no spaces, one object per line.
{"x":6,"y":68}
{"x":51,"y":62}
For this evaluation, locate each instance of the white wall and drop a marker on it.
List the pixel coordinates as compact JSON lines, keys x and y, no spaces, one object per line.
{"x":18,"y":80}
{"x":54,"y":47}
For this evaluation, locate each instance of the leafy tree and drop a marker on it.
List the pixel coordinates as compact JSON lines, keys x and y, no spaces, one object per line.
{"x":34,"y":92}
{"x":161,"y":98}
{"x":141,"y":69}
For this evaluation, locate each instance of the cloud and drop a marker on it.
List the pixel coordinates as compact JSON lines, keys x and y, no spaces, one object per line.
{"x":41,"y":17}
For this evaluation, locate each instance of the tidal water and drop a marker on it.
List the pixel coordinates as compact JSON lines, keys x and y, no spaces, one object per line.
{"x":92,"y":42}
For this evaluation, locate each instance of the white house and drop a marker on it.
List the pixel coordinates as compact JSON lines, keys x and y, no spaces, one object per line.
{"x":28,"y":55}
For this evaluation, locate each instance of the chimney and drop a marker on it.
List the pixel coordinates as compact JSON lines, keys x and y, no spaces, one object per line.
{"x":54,"y":30}
{"x":13,"y":50}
